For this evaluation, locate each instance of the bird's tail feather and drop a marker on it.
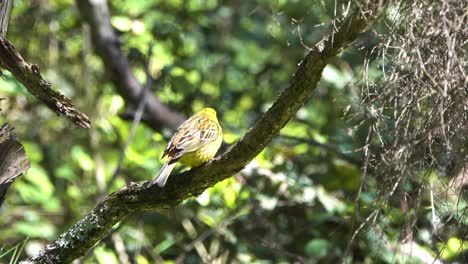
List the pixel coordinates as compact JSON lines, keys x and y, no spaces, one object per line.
{"x":163,"y":174}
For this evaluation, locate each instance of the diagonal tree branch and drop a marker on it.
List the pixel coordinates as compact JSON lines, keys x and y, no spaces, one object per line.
{"x":107,"y":46}
{"x":29,"y":75}
{"x":139,"y":197}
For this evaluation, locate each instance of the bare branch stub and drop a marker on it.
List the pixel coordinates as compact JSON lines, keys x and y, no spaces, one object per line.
{"x":29,"y":75}
{"x":13,"y":160}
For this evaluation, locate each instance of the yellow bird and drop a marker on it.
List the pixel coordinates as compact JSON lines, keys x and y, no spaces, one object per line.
{"x":195,"y":142}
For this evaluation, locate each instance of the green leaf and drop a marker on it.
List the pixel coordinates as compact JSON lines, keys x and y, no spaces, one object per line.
{"x":329,"y":202}
{"x":453,"y":247}
{"x":65,"y":172}
{"x":317,"y":248}
{"x":40,"y":180}
{"x":104,"y":256}
{"x":140,"y":259}
{"x":33,"y":151}
{"x":165,"y":244}
{"x":204,"y":198}
{"x":230,"y":197}
{"x":82,"y":158}
{"x":336,"y":77}
{"x":36,"y":229}
{"x":207,"y":218}
{"x":267,"y":202}
{"x":122,"y":23}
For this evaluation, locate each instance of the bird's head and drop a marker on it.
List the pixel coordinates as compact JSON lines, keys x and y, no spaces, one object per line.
{"x":209,"y":112}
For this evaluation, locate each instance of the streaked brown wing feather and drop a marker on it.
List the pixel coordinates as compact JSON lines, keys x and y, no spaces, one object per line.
{"x":198,"y":137}
{"x":193,"y":141}
{"x":191,"y":135}
{"x":183,"y":128}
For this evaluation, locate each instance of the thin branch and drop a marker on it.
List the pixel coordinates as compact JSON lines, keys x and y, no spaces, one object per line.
{"x":329,"y":147}
{"x":137,"y":117}
{"x":227,"y":221}
{"x":140,"y":197}
{"x":5,"y":11}
{"x":107,"y":46}
{"x":29,"y":75}
{"x":119,"y":247}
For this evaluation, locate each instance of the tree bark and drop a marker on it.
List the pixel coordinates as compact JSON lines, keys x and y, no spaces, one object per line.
{"x":140,"y":197}
{"x":13,"y":160}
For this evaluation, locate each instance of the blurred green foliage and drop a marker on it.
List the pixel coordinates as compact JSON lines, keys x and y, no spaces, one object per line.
{"x":295,"y":202}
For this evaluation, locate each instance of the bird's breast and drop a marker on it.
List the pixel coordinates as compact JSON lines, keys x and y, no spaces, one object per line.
{"x":201,"y":155}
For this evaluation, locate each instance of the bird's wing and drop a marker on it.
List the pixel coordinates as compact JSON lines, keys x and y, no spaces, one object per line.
{"x":170,"y":145}
{"x":188,"y":125}
{"x":193,"y":134}
{"x":196,"y":139}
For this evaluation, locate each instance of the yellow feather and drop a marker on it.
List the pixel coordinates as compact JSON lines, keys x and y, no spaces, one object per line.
{"x":196,"y":141}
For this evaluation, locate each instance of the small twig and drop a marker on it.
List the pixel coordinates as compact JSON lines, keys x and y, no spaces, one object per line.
{"x":197,"y":244}
{"x":368,"y":219}
{"x":229,"y":220}
{"x":120,"y":249}
{"x":137,"y":117}
{"x":433,"y":213}
{"x":299,"y":33}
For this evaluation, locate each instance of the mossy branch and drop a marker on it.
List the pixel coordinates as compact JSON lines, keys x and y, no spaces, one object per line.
{"x":140,"y":197}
